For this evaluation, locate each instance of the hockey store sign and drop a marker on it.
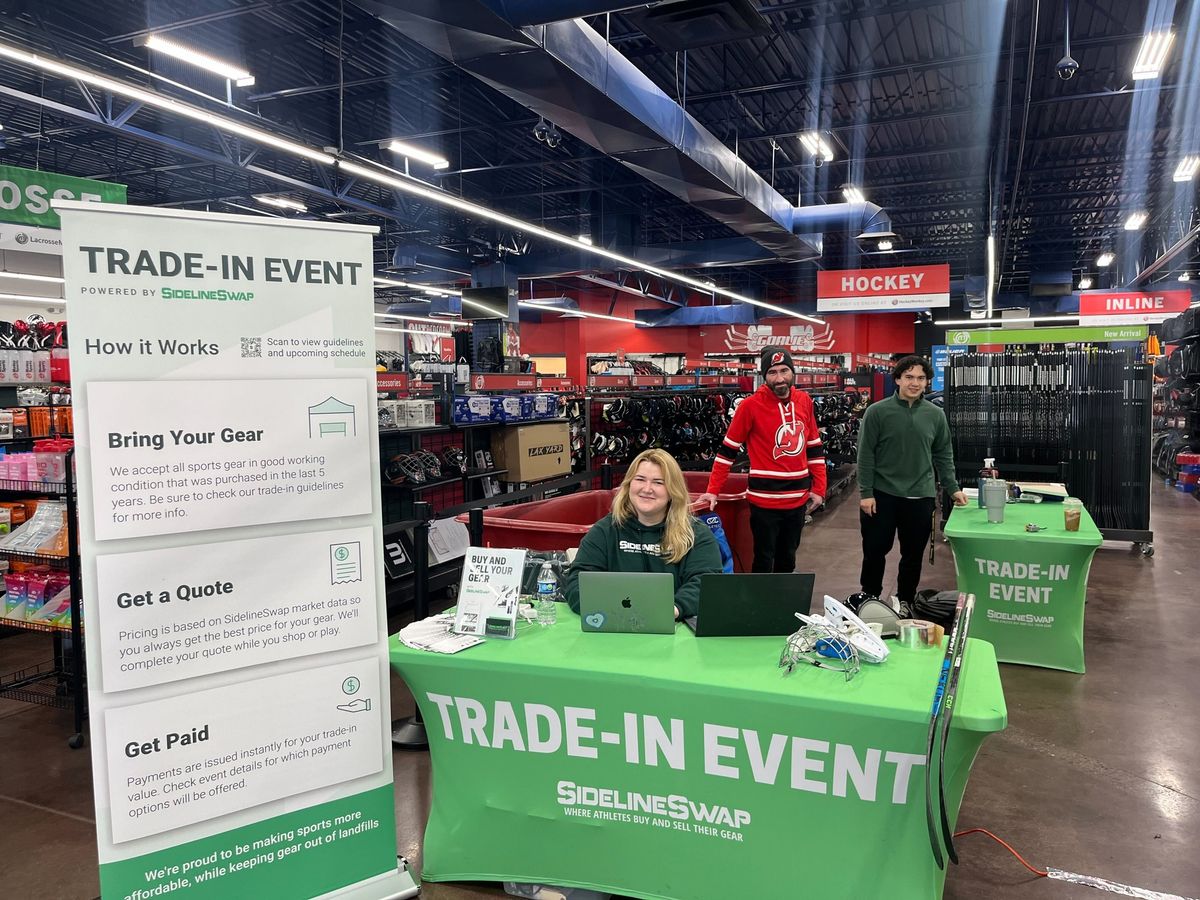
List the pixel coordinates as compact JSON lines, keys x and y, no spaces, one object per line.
{"x":667,"y":773}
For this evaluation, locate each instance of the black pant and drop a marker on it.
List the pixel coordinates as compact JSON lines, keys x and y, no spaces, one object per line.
{"x":914,"y":520}
{"x":776,"y":537}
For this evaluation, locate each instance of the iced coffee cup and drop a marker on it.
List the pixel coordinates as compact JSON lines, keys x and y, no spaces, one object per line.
{"x":1072,"y":513}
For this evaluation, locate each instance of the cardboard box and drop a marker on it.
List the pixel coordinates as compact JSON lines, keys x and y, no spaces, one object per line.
{"x":507,"y":408}
{"x":533,"y":452}
{"x":419,"y":414}
{"x":545,"y":406}
{"x":387,"y":415}
{"x":472,"y":409}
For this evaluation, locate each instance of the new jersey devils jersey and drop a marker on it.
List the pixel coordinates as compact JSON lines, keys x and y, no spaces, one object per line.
{"x":787,"y":459}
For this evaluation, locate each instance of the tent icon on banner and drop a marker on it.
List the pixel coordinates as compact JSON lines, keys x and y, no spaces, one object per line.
{"x":331,"y":418}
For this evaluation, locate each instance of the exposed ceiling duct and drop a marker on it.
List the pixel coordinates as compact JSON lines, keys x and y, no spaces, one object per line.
{"x":567,"y":73}
{"x":723,"y":314}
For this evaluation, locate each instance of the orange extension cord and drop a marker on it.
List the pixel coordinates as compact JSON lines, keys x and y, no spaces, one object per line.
{"x":1006,"y":846}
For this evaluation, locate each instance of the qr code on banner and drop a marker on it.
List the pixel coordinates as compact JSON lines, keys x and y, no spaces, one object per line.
{"x":251,"y":347}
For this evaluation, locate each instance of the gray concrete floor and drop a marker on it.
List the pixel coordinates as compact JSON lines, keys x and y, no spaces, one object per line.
{"x":1091,"y":776}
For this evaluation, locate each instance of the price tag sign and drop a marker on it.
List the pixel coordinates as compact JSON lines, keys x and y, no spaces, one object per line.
{"x":489,"y":593}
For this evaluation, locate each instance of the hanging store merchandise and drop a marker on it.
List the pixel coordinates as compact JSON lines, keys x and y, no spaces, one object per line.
{"x":1079,"y":415}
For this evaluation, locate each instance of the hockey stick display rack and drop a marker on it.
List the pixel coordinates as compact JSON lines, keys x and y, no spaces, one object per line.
{"x":1079,"y":415}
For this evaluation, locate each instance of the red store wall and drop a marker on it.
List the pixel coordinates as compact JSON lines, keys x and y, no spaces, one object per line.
{"x":850,"y":333}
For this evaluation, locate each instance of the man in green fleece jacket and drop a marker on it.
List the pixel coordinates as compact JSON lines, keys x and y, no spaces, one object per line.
{"x":651,"y":529}
{"x":902,"y":442}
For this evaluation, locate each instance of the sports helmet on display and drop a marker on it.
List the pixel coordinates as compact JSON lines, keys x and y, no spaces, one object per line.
{"x":403,"y":468}
{"x":429,"y":463}
{"x":455,"y":459}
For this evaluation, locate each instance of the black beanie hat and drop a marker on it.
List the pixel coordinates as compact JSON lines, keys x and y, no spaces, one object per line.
{"x":776,"y":356}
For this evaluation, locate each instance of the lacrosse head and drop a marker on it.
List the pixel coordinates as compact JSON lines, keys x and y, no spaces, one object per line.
{"x":872,"y":648}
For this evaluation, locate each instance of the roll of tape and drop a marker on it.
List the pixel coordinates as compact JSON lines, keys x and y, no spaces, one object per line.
{"x":917,"y":633}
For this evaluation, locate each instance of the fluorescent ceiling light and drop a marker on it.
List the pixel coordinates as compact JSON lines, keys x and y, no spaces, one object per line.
{"x":236,"y":74}
{"x":544,"y":307}
{"x":158,"y":101}
{"x":29,"y":298}
{"x":1135,"y":221}
{"x":438,"y":162}
{"x":816,"y":145}
{"x":392,"y":282}
{"x":1152,"y":55}
{"x":852,"y":194}
{"x":885,"y":245}
{"x":1085,"y":283}
{"x":1023,"y":320}
{"x":584,"y":239}
{"x":1187,"y":168}
{"x":408,"y":186}
{"x":56,"y":279}
{"x":1104,"y":259}
{"x":1184,"y":276}
{"x":407,"y":318}
{"x":412,"y":331}
{"x":281,"y":202}
{"x":411,"y":186}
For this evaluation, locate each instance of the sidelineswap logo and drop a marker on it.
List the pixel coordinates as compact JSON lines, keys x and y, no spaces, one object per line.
{"x":638,"y":808}
{"x":221,"y":295}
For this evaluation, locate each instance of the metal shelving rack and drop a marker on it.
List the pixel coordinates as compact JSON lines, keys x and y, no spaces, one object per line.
{"x":60,"y":681}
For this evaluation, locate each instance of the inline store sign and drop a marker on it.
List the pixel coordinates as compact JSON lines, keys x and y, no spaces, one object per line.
{"x":231,"y":554}
{"x":1131,"y":307}
{"x":860,"y":290}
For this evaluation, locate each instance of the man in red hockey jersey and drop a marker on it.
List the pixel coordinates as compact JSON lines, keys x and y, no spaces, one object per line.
{"x":787,"y":462}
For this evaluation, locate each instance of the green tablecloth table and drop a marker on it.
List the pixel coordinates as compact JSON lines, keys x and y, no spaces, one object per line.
{"x":666,"y":766}
{"x":1029,"y":587}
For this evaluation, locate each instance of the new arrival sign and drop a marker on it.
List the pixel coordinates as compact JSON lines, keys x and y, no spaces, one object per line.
{"x":232,"y":555}
{"x":909,"y":287}
{"x":1064,"y":335}
{"x":1131,"y":307}
{"x":26,"y":195}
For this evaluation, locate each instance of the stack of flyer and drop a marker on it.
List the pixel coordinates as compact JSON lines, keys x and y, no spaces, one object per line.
{"x":434,"y":634}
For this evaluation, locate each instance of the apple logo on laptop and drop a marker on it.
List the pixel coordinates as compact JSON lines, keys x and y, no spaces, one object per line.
{"x":627,"y":603}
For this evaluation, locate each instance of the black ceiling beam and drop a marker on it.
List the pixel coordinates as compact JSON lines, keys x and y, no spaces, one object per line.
{"x":205,"y":19}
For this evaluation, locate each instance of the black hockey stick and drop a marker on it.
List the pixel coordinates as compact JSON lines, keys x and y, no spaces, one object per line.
{"x":938,"y":694}
{"x":947,"y":715}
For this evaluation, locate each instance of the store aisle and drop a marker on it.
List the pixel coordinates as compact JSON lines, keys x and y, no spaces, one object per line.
{"x":1091,"y":776}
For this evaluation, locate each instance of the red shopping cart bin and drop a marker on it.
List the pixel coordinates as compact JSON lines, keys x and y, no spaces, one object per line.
{"x":560,"y":523}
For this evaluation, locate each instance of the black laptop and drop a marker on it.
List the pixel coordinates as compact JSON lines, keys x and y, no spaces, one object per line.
{"x":752,"y":605}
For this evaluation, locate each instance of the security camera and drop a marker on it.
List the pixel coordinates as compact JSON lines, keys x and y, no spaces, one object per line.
{"x":541,"y":130}
{"x":1066,"y":68}
{"x":818,"y":161}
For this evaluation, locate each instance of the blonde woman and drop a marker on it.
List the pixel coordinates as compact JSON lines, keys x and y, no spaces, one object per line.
{"x":650,"y":529}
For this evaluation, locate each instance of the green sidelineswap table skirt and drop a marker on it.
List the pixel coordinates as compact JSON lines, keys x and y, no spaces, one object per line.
{"x":1029,"y":587}
{"x":667,"y":766}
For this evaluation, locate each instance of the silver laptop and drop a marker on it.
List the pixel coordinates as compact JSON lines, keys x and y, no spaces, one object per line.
{"x":627,"y":602}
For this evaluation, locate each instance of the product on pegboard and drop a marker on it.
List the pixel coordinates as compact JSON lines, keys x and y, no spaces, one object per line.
{"x":688,"y":425}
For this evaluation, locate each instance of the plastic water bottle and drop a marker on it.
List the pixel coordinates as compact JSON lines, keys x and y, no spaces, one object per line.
{"x":547,"y":593}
